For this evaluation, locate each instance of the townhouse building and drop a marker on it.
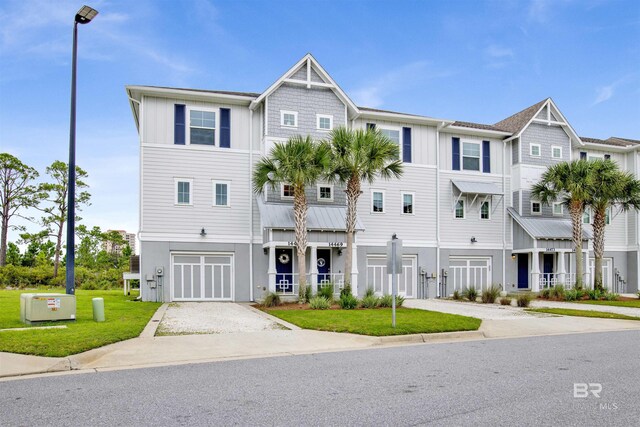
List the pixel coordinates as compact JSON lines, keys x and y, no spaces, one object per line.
{"x":463,"y":205}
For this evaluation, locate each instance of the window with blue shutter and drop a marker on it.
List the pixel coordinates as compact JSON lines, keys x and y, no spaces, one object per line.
{"x":179,"y":128}
{"x":225,"y":128}
{"x":406,"y":145}
{"x":371,"y":126}
{"x":455,"y":151}
{"x":583,"y":155}
{"x":607,"y":156}
{"x":486,"y":157}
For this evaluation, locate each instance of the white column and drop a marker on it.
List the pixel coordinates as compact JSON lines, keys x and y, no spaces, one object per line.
{"x":535,"y":271}
{"x":354,"y":271}
{"x":561,"y":268}
{"x":272,"y":269}
{"x":587,"y":270}
{"x":313,"y":269}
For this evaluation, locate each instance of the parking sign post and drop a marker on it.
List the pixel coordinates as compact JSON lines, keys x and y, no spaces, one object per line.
{"x":394,"y":264}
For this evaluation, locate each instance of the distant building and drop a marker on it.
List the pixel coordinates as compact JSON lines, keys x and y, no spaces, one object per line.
{"x":129,"y":238}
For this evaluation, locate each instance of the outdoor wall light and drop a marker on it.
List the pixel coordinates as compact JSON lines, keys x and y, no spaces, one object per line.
{"x":339,"y":252}
{"x":203,"y":232}
{"x":473,"y":240}
{"x":513,"y":257}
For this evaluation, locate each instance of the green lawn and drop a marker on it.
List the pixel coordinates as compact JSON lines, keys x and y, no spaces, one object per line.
{"x":629,"y":303}
{"x":378,"y":322}
{"x":583,"y":313}
{"x":125,"y":319}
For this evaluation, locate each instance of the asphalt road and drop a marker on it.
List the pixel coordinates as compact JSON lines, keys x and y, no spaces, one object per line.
{"x":527,"y":381}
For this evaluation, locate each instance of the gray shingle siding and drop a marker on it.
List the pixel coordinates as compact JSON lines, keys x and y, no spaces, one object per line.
{"x":307,"y":103}
{"x":515,"y":146}
{"x":516,"y":200}
{"x":546,"y":136}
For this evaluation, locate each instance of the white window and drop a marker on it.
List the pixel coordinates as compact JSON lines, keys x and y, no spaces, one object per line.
{"x":536,"y":208}
{"x":459,"y":214}
{"x":534,"y":150}
{"x":471,"y":156}
{"x":586,"y":216}
{"x":394,"y":136}
{"x":558,"y":209}
{"x":286,"y":191}
{"x":407,"y":203}
{"x":183,"y":191}
{"x":556,"y":152}
{"x":221,"y":196}
{"x":593,"y":156}
{"x":324,"y":122}
{"x":607,"y":216}
{"x":202,"y":127}
{"x":325,"y":193}
{"x":289,"y":118}
{"x":377,"y":201}
{"x":485,"y":209}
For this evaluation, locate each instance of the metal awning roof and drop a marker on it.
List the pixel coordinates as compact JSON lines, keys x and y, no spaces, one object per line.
{"x":473,"y":187}
{"x":325,"y":218}
{"x":547,"y":228}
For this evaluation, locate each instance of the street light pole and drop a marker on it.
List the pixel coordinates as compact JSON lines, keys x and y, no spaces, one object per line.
{"x":84,"y":16}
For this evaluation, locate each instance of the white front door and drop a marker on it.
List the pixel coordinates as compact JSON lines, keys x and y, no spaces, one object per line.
{"x":380,"y":281}
{"x":470,"y":272}
{"x":607,"y":280}
{"x":202,"y":277}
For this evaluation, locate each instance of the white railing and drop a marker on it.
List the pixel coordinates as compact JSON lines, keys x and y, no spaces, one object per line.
{"x":335,"y":279}
{"x":549,"y":280}
{"x":287,"y":283}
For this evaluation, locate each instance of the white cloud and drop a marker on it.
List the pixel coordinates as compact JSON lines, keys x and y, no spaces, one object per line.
{"x":605,"y":93}
{"x":374,"y":93}
{"x":495,"y":51}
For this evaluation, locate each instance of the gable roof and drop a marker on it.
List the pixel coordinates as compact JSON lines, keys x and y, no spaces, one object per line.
{"x":309,"y":60}
{"x":612,"y":141}
{"x":479,"y":126}
{"x":517,"y":122}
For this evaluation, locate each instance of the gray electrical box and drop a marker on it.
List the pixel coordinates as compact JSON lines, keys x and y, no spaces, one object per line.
{"x":47,"y":307}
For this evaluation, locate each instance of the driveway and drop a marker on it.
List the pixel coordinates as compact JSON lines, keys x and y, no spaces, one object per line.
{"x":480,"y":311}
{"x":213,"y":318}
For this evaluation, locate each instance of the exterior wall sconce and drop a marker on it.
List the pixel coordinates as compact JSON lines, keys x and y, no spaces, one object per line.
{"x":513,"y":257}
{"x":203,"y":232}
{"x":265,"y":251}
{"x":473,"y":240}
{"x":339,"y":252}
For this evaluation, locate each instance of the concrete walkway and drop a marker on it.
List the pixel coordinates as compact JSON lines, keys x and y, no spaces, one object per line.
{"x":150,"y":350}
{"x":480,"y":311}
{"x":628,"y":311}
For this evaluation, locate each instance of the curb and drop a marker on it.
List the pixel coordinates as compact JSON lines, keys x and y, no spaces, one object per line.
{"x":270,"y":317}
{"x":149,"y":331}
{"x":435,"y":337}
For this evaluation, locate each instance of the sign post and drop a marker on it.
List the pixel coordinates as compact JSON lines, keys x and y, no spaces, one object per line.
{"x":394,"y":265}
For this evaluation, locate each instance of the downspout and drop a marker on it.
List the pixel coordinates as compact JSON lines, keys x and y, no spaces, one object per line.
{"x":438,"y":276}
{"x":504,"y":216}
{"x":250,"y":205}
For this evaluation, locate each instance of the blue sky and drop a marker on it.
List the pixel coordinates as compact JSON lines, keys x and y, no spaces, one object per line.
{"x":476,"y":61}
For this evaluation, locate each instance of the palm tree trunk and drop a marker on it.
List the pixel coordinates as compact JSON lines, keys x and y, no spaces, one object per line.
{"x":300,"y":213}
{"x":576,"y":210}
{"x":599,"y":215}
{"x":353,"y":193}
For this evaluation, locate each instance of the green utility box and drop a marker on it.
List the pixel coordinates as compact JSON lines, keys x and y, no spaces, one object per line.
{"x":47,"y":307}
{"x":98,"y":309}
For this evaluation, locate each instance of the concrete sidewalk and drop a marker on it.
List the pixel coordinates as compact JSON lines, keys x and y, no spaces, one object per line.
{"x":628,"y":311}
{"x":149,"y":350}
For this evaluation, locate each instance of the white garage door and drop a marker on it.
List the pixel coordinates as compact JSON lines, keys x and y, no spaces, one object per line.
{"x":470,"y":272}
{"x":202,"y":277}
{"x":380,"y":281}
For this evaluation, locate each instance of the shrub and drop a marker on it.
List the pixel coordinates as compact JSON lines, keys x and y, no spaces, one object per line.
{"x":580,"y":293}
{"x":505,"y":301}
{"x":456,"y":295}
{"x":308,"y":294}
{"x":348,"y":302}
{"x":386,"y":301}
{"x":523,"y":300}
{"x":471,"y":294}
{"x":490,"y":295}
{"x":595,"y":294}
{"x":272,"y":299}
{"x":345,"y":291}
{"x":370,"y":301}
{"x":545,"y":293}
{"x":571,"y":295}
{"x":399,"y":301}
{"x":369,"y":292}
{"x":638,"y":293}
{"x":610,"y":296}
{"x":319,"y":303}
{"x":557,"y":291}
{"x":326,"y":291}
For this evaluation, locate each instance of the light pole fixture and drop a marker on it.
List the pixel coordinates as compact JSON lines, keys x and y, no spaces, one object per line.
{"x":84,"y":16}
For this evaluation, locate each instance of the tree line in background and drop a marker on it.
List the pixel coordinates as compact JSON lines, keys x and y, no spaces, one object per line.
{"x":42,"y":261}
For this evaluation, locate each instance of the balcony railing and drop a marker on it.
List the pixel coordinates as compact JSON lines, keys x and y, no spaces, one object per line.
{"x":335,"y":279}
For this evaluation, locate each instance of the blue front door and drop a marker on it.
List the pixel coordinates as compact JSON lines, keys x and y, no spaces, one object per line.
{"x":324,"y":266}
{"x":547,"y":269}
{"x":523,"y":271}
{"x":284,"y":270}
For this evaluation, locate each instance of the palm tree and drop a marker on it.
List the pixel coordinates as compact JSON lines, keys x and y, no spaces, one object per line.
{"x":298,"y":162}
{"x":360,"y":155}
{"x":568,"y":181}
{"x":608,"y":187}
